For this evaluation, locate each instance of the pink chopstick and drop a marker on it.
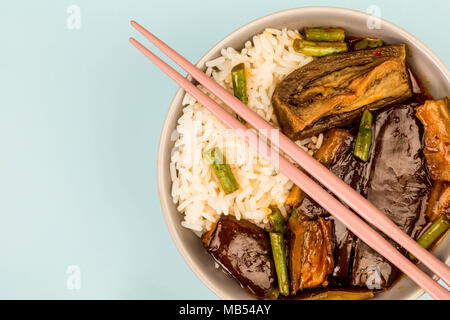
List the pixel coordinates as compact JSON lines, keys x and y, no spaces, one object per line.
{"x":328,"y":202}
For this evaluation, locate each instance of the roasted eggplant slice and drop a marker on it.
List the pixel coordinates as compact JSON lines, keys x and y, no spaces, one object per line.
{"x":398,"y":185}
{"x":435,"y":116}
{"x":337,"y":86}
{"x":335,"y":140}
{"x":310,"y":252}
{"x":243,"y":250}
{"x":370,"y":269}
{"x":439,"y":202}
{"x":336,"y":153}
{"x":343,"y":253}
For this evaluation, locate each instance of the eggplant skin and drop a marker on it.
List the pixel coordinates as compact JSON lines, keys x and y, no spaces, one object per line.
{"x":310,"y":254}
{"x":331,"y":91}
{"x":398,"y":184}
{"x":435,"y":117}
{"x":244,"y":251}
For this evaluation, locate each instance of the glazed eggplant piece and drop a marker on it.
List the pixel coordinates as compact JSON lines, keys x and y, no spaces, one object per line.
{"x":435,"y":117}
{"x":352,"y":171}
{"x":335,"y":142}
{"x":370,"y":269}
{"x":310,"y":256}
{"x":244,"y":251}
{"x":336,"y":153}
{"x":398,"y":184}
{"x":439,"y":202}
{"x":343,"y":254}
{"x":332,"y":144}
{"x":331,"y":91}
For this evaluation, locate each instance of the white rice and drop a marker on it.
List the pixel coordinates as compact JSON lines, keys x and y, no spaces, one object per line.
{"x":268,"y":59}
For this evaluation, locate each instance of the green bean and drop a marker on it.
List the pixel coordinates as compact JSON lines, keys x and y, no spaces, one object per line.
{"x":367,"y":43}
{"x":364,"y":138}
{"x":341,"y":295}
{"x":276,"y":220}
{"x":240,"y":119}
{"x":222,"y":170}
{"x":319,"y":49}
{"x":324,"y":34}
{"x":433,"y":232}
{"x":239,"y":80}
{"x":278,"y":225}
{"x":375,"y":43}
{"x":279,"y":258}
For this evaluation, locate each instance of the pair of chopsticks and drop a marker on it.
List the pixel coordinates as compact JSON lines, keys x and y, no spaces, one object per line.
{"x":339,"y":188}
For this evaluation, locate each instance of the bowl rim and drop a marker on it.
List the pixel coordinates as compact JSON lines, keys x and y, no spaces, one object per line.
{"x":164,"y":200}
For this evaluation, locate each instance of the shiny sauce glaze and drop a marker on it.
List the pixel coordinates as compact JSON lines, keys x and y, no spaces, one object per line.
{"x":244,"y":251}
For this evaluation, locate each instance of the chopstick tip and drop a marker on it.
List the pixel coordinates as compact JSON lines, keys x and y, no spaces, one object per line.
{"x":134,"y":24}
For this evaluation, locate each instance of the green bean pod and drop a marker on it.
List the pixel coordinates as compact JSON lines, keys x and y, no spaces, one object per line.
{"x":438,"y":228}
{"x":325,"y":34}
{"x":364,"y":138}
{"x":276,"y":220}
{"x":239,"y":80}
{"x":319,"y":49}
{"x":279,"y":258}
{"x":222,"y":170}
{"x":368,"y":43}
{"x":278,"y":225}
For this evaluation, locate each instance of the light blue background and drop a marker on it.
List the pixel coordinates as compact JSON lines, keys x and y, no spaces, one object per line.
{"x":80,"y":117}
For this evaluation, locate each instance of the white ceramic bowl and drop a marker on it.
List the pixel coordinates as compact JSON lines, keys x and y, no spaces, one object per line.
{"x":430,"y":69}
